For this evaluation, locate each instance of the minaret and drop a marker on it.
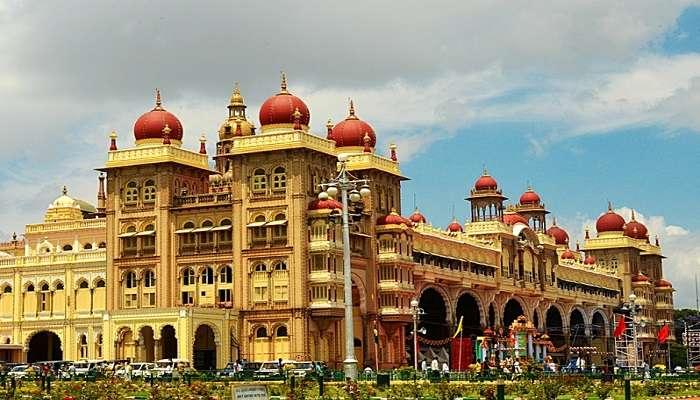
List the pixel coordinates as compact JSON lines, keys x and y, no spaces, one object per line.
{"x":486,"y":199}
{"x":101,"y":197}
{"x":531,"y":207}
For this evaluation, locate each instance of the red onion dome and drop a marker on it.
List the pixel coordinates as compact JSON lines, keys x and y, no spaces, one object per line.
{"x":568,"y":255}
{"x":513,"y":218}
{"x":327,"y":204}
{"x":589,"y":260}
{"x":662,"y":283}
{"x":417,"y":217}
{"x":393,"y":218}
{"x":636,"y":229}
{"x":151,"y":125}
{"x":560,"y":236}
{"x":351,"y":131}
{"x":640,"y":277}
{"x":455,"y":226}
{"x":610,"y":222}
{"x":530,"y":197}
{"x":485,"y":182}
{"x":280,"y":109}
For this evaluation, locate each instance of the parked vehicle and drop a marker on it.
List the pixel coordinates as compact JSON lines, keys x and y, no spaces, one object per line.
{"x":272,"y":367}
{"x":24,"y":371}
{"x":229,"y":370}
{"x":138,"y":370}
{"x":166,"y":366}
{"x":301,"y":368}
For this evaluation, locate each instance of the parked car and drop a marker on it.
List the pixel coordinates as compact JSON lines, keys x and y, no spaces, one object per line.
{"x":229,"y":370}
{"x":85,"y":367}
{"x":166,"y":366}
{"x":23,"y":371}
{"x":272,"y":367}
{"x":138,"y":370}
{"x":301,"y":368}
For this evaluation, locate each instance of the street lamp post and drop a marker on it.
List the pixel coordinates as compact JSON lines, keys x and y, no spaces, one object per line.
{"x":633,"y":313}
{"x":417,"y":312}
{"x":348,"y":185}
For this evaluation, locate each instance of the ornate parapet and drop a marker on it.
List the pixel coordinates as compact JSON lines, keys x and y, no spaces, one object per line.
{"x":155,"y":155}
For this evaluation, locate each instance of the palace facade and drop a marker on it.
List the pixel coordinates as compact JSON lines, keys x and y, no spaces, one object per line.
{"x":234,"y":256}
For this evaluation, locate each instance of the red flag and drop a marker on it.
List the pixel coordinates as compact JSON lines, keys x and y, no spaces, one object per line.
{"x":663,"y":334}
{"x":621,"y":325}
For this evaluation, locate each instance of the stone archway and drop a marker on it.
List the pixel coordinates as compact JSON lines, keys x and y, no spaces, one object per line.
{"x":577,"y":328}
{"x":469,"y":310}
{"x":435,"y":318}
{"x":512,"y":310}
{"x":44,"y":346}
{"x":126,"y":348}
{"x":146,"y":344}
{"x":492,"y":321}
{"x":168,"y":342}
{"x":204,"y":348}
{"x":554,"y":326}
{"x":599,"y":336}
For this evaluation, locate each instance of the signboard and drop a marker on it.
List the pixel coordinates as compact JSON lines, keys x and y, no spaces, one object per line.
{"x":250,"y":392}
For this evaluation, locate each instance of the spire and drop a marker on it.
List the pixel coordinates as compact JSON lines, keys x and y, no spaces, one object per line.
{"x":609,"y":206}
{"x":588,"y":235}
{"x":656,"y":241}
{"x":297,"y":119}
{"x":366,"y":139}
{"x":329,"y":129}
{"x":392,"y":147}
{"x":236,"y":98}
{"x":113,"y":141}
{"x":554,"y":221}
{"x":158,"y":101}
{"x":578,"y":246}
{"x":486,"y":172}
{"x":101,"y":198}
{"x":283,"y":84}
{"x":351,"y":111}
{"x":633,"y":215}
{"x":166,"y":134}
{"x":203,"y":144}
{"x":65,"y":190}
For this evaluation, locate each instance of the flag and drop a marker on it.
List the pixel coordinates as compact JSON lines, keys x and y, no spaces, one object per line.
{"x":459,"y":327}
{"x":663,"y":334}
{"x":376,"y":336}
{"x":621,"y":326}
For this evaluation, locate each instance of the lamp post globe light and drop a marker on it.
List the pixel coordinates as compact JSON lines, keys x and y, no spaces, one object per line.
{"x":352,"y":191}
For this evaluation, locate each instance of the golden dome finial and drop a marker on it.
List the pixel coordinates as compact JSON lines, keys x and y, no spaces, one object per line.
{"x":351,"y":112}
{"x":633,"y":216}
{"x":554,"y":221}
{"x":65,"y":190}
{"x":236,"y":88}
{"x":236,"y":97}
{"x":609,"y":205}
{"x":283,"y":84}
{"x":486,"y":172}
{"x":159,"y":103}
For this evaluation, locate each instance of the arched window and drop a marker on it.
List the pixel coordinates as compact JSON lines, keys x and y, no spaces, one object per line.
{"x":129,"y":240}
{"x":100,"y":283}
{"x":279,"y":179}
{"x":207,"y":276}
{"x":130,"y":280}
{"x":149,"y":191}
{"x":260,"y":268}
{"x":131,"y":195}
{"x":226,"y":275}
{"x":279,"y":228}
{"x":281,"y":331}
{"x":259,"y":183}
{"x":30,"y":288}
{"x":67,"y":248}
{"x":87,"y":246}
{"x":148,"y":239}
{"x":59,"y":286}
{"x":83,"y":284}
{"x":45,"y":287}
{"x":102,"y":245}
{"x":207,"y":235}
{"x":280,"y":266}
{"x":7,"y":289}
{"x":225,"y":231}
{"x":188,"y":277}
{"x":149,"y":279}
{"x":189,"y":237}
{"x":261,"y":332}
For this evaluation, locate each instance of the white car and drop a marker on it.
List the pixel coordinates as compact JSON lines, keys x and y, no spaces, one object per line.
{"x":166,"y":366}
{"x":81,"y":368}
{"x":20,"y":371}
{"x":272,"y":367}
{"x":138,"y":370}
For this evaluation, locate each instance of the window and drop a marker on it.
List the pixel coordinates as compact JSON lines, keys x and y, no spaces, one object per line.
{"x":67,"y":248}
{"x":207,"y":237}
{"x":259,"y":181}
{"x":261,"y":333}
{"x":102,"y":245}
{"x":45,"y":287}
{"x":226,"y":275}
{"x":100,"y":283}
{"x":149,"y":191}
{"x":279,"y":228}
{"x":131,"y":300}
{"x":188,"y":277}
{"x":148,"y":238}
{"x":188,"y":238}
{"x":225,"y":234}
{"x":149,"y":279}
{"x":279,"y":179}
{"x":7,"y":289}
{"x":187,"y":298}
{"x":130,"y":280}
{"x":87,"y":246}
{"x":150,"y":299}
{"x":84,"y":285}
{"x":282,"y":331}
{"x":207,"y":276}
{"x":224,"y":295}
{"x":259,"y":230}
{"x":280,"y":266}
{"x":281,"y":282}
{"x":129,"y":240}
{"x":131,"y":195}
{"x":260,"y":283}
{"x":30,"y":288}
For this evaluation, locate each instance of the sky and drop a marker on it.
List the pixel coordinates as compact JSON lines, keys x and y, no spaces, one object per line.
{"x":587,"y":101}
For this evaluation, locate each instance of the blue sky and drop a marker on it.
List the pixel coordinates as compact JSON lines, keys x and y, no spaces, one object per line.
{"x":586,"y":101}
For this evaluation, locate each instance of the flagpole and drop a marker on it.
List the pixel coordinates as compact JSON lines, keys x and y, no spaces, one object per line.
{"x":461,"y":343}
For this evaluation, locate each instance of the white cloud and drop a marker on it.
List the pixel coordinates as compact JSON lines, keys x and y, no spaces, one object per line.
{"x":678,"y":244}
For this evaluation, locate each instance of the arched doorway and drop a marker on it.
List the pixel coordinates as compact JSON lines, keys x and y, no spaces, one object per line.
{"x":492,"y":316}
{"x":468,"y":310}
{"x":125,"y":345}
{"x":536,"y":319}
{"x":358,"y":326}
{"x":44,"y":346}
{"x":511,"y":312}
{"x":168,"y":342}
{"x":146,"y":344}
{"x":204,"y":348}
{"x":555,"y":329}
{"x":577,"y":328}
{"x":435,"y":318}
{"x":599,"y":338}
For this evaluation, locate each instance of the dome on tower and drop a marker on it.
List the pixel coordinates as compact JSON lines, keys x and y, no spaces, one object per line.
{"x":560,"y":236}
{"x":454,"y":226}
{"x":327,"y":204}
{"x":236,"y":124}
{"x":568,"y":255}
{"x":485,"y":182}
{"x":394,"y":218}
{"x":351,"y":131}
{"x":151,"y":127}
{"x":662,"y":283}
{"x":589,"y":260}
{"x":513,"y":218}
{"x":530,"y":197}
{"x":640,"y":277}
{"x":636,"y":229}
{"x":610,"y":222}
{"x":417,"y":217}
{"x":278,"y":112}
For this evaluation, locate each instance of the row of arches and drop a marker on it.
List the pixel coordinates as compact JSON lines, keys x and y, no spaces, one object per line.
{"x":57,"y":285}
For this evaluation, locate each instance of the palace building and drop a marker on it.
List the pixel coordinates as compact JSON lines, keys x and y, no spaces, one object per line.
{"x":234,"y":256}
